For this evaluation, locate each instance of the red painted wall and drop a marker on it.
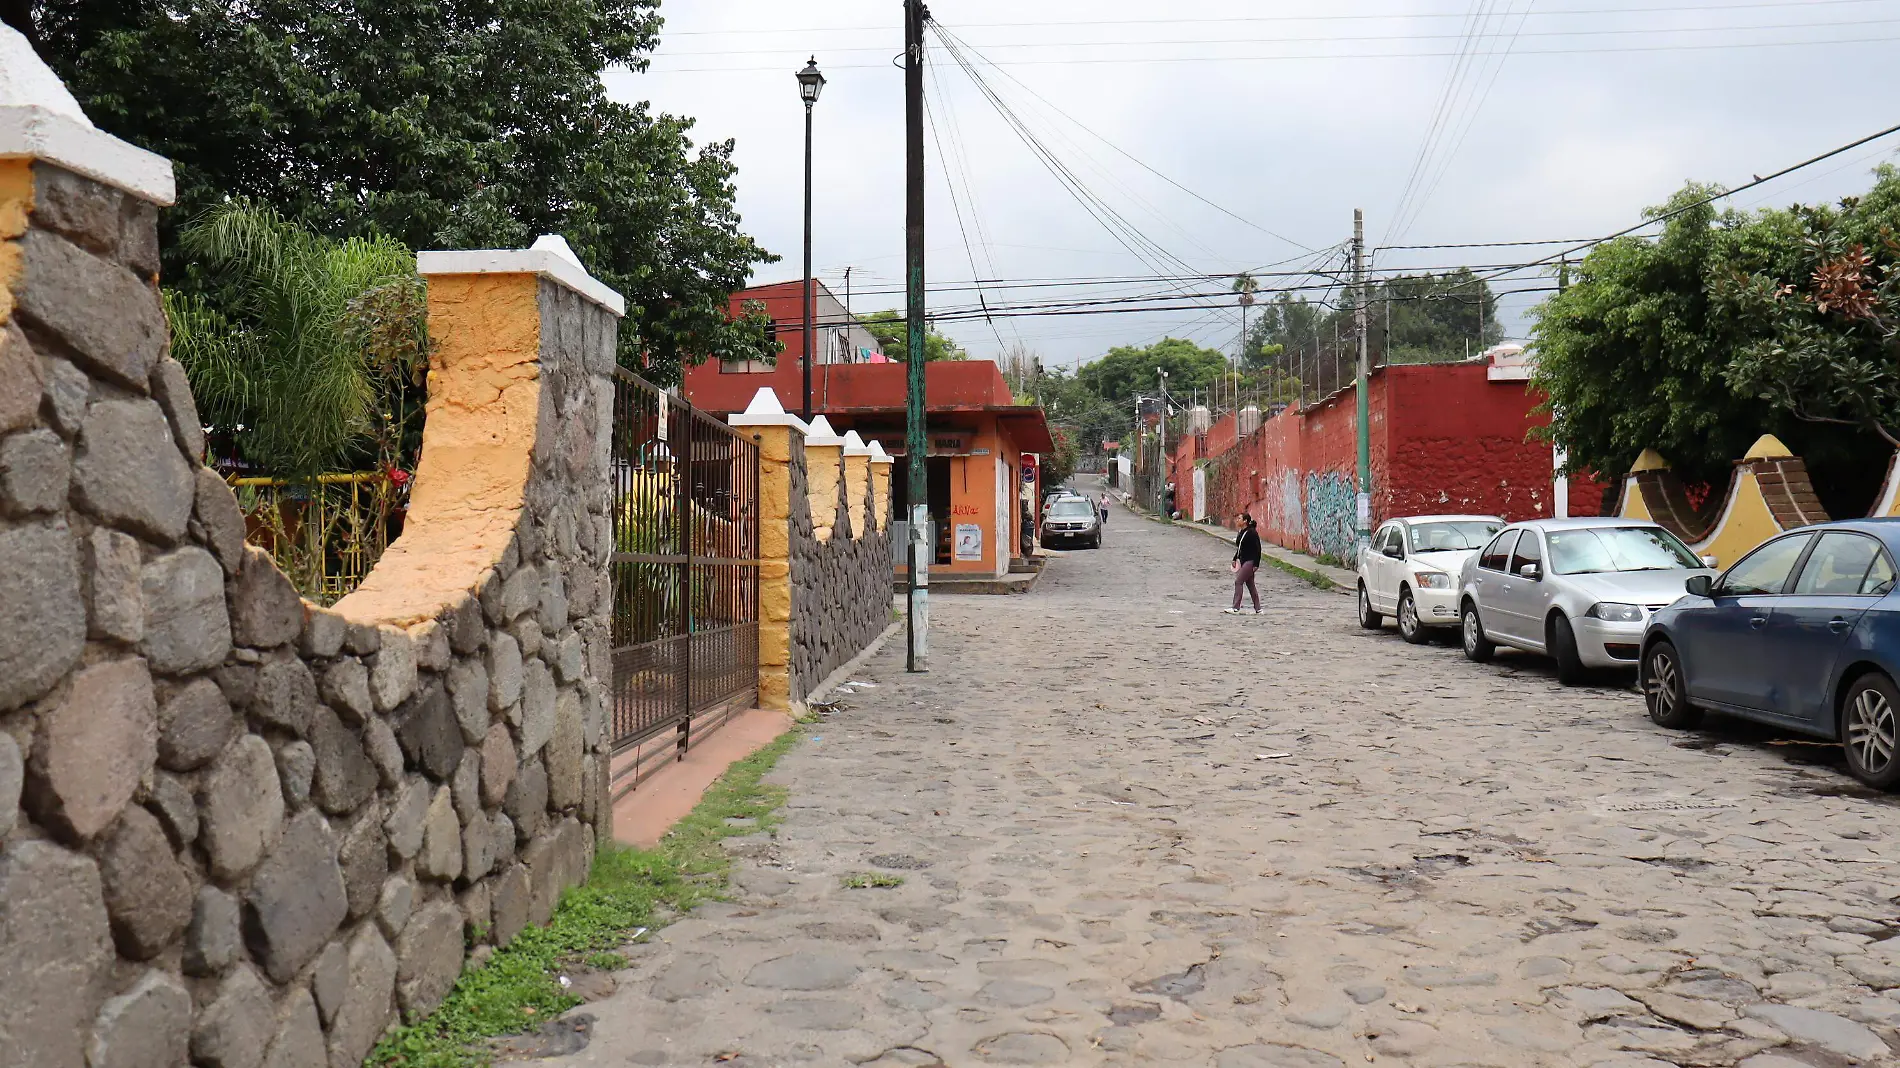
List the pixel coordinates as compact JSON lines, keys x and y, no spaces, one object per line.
{"x":1443,"y":439}
{"x":848,"y":386}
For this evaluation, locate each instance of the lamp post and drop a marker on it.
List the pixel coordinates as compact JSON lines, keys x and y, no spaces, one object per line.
{"x":810,"y":84}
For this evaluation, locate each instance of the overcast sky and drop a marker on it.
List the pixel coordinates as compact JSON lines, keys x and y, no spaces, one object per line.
{"x":1565,"y":118}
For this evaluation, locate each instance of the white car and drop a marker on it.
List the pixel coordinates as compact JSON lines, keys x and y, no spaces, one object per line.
{"x":1410,"y":570}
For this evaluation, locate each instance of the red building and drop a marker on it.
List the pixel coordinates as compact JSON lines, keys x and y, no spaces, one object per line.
{"x":1445,"y":438}
{"x":981,"y":443}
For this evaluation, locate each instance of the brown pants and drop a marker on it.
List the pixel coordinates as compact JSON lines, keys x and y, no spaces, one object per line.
{"x":1243,"y":579}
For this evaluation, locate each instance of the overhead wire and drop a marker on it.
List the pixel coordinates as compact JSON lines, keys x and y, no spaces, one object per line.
{"x":1467,"y":119}
{"x":1672,"y":9}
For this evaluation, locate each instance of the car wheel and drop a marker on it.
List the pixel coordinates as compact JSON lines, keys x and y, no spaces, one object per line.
{"x":1410,"y":628}
{"x":1663,"y":690}
{"x":1870,"y":731}
{"x":1367,"y":617}
{"x":1478,"y":648}
{"x":1563,"y":649}
{"x":1096,"y":541}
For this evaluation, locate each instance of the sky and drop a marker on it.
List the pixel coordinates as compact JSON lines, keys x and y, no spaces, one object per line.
{"x":1221,"y":137}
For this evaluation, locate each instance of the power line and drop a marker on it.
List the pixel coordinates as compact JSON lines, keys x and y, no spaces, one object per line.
{"x":1482,"y":35}
{"x":1146,"y":60}
{"x":1290,"y":18}
{"x":1705,"y":201}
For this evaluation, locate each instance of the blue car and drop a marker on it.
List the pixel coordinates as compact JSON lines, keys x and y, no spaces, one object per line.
{"x":1803,"y":633}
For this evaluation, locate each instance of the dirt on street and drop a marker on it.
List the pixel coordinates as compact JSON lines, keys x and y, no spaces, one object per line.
{"x":1130,"y":829}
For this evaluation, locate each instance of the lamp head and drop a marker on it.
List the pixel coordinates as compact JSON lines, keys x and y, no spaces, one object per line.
{"x":810,"y":82}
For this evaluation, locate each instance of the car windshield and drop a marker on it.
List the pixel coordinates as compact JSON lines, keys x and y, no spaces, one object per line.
{"x":1594,"y":550}
{"x":1432,"y":537}
{"x":1072,"y":507}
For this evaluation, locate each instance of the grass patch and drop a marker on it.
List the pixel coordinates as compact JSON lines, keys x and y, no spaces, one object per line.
{"x":629,"y":888}
{"x":1297,"y":571}
{"x":875,"y":880}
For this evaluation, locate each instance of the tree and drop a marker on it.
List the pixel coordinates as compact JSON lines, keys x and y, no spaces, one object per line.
{"x":892,"y":333}
{"x":1059,"y":466}
{"x":1686,"y":344}
{"x":314,"y":359}
{"x":1125,"y":370}
{"x":465,"y":123}
{"x":1829,"y":323}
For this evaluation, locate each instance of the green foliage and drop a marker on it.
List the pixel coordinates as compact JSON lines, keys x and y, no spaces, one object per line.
{"x":1059,"y":466}
{"x":875,"y":880}
{"x":1084,"y":416}
{"x":316,"y":348}
{"x":1685,"y":343}
{"x":1422,"y":318}
{"x":518,"y":988}
{"x":441,"y":123}
{"x":893,"y":336}
{"x":1127,"y":370}
{"x":1827,"y":325}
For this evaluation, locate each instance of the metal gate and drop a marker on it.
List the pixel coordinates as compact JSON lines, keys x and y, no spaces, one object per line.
{"x":684,"y":571}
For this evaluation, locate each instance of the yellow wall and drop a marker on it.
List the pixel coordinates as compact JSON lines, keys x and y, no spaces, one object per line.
{"x":823,"y":465}
{"x":16,"y":203}
{"x":477,"y":440}
{"x":1745,"y":522}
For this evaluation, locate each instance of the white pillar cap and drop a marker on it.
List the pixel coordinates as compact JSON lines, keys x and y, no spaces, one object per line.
{"x":39,"y":119}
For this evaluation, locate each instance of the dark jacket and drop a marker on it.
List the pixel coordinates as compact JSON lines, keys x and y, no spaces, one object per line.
{"x":1247,"y":547}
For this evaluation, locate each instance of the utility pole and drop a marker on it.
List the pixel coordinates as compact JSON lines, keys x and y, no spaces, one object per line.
{"x":917,"y":558}
{"x":1560,"y":479}
{"x":1364,"y":525}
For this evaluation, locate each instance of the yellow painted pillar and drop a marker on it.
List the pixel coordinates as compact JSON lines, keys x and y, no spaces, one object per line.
{"x":879,"y":494}
{"x":857,"y":484}
{"x":776,"y":432}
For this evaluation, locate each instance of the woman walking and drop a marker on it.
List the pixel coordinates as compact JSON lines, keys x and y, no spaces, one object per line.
{"x":1246,"y":562}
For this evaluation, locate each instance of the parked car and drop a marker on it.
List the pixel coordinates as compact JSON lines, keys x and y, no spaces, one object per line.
{"x":1803,"y":633}
{"x":1072,"y":521}
{"x":1578,"y":590}
{"x":1411,"y":567}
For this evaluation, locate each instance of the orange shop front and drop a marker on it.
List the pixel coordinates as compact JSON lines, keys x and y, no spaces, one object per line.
{"x":973,"y":467}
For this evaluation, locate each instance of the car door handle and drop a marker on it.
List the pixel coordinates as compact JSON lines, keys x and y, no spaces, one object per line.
{"x":1507,"y":587}
{"x":1837,"y":624}
{"x":1757,"y":622}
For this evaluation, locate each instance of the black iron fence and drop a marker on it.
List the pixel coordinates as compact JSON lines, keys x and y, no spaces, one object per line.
{"x":685,"y":573}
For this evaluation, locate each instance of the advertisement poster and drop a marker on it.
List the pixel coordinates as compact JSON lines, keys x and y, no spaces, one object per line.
{"x":969,"y":541}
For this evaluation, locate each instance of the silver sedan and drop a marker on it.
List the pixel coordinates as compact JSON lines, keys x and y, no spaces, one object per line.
{"x":1578,"y":590}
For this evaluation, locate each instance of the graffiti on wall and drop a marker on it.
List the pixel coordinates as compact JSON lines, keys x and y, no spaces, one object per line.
{"x":1331,"y":515}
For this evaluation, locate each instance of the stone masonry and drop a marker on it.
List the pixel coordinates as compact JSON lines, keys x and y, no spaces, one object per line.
{"x":235,"y":828}
{"x":841,"y":583}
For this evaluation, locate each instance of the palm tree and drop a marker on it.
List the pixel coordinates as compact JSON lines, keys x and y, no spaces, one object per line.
{"x":1245,"y":285}
{"x":310,"y":352}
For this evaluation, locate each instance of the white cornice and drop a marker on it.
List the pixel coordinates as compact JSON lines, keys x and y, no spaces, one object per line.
{"x":39,"y":119}
{"x":543,"y":260}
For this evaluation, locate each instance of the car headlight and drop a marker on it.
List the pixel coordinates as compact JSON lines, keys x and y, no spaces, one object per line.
{"x":1432,"y":580}
{"x":1612,"y":612}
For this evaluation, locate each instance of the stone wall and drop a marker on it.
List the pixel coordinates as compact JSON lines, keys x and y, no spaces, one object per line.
{"x":825,"y":552}
{"x":237,"y":829}
{"x":841,"y":583}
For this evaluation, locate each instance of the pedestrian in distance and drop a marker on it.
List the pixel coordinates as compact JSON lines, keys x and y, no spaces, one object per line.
{"x":1246,"y":562}
{"x":1104,"y":509}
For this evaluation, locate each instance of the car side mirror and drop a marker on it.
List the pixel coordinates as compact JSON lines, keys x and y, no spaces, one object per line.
{"x":1532,"y":572}
{"x":1711,"y":562}
{"x":1394,"y":552}
{"x":1700,"y":586}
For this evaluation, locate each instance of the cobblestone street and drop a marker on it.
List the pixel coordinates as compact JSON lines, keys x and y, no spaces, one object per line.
{"x":1133,"y":830}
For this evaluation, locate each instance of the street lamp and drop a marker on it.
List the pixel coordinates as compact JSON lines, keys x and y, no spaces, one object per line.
{"x":810,"y":84}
